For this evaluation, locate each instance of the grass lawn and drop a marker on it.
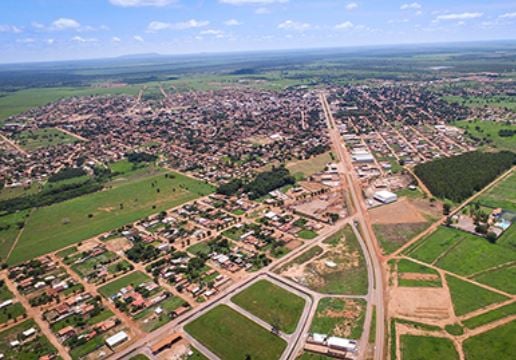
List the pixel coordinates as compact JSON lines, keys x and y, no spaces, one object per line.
{"x":426,"y":348}
{"x":9,"y":224}
{"x":53,"y":227}
{"x":490,"y":316}
{"x":503,"y":195}
{"x":313,"y":356}
{"x":11,"y":312}
{"x":88,"y":347}
{"x":468,"y":297}
{"x":495,"y":344}
{"x":148,"y":319}
{"x":429,"y":248}
{"x":272,"y":304}
{"x":232,"y":336}
{"x":103,"y":315}
{"x":31,"y":350}
{"x":67,"y":252}
{"x":349,"y":276}
{"x":339,"y":317}
{"x":31,"y":140}
{"x":199,"y":248}
{"x":89,"y":265}
{"x":394,"y":236}
{"x":407,"y":266}
{"x":489,"y":129}
{"x":474,"y":254}
{"x":134,"y":278}
{"x":300,"y":259}
{"x":306,"y":234}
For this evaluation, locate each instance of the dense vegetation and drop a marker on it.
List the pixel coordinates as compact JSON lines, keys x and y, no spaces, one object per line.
{"x":261,"y":185}
{"x":138,"y":157}
{"x":67,"y":173}
{"x":459,"y":177}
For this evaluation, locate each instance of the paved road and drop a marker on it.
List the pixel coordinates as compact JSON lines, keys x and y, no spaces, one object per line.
{"x":366,"y":237}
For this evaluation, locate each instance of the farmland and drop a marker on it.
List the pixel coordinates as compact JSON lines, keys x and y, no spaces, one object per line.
{"x":502,"y":195}
{"x":219,"y":327}
{"x":272,"y":304}
{"x":492,"y":345}
{"x":490,"y":316}
{"x":427,"y":348}
{"x":56,"y":226}
{"x":424,"y":276}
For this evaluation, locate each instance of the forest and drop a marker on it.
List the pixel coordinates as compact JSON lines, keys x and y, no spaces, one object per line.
{"x":459,"y":177}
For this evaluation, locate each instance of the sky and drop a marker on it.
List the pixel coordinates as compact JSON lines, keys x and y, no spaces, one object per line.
{"x":48,"y":30}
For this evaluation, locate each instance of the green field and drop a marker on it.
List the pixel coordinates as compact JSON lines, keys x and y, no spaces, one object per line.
{"x":407,"y":266}
{"x":339,"y":317}
{"x":503,"y":195}
{"x":498,"y":101}
{"x":486,"y":318}
{"x":394,"y":236}
{"x":272,"y":304}
{"x":34,"y":349}
{"x":495,"y":344}
{"x":134,"y":279}
{"x":311,"y":166}
{"x":307,"y":234}
{"x":474,"y":254}
{"x":10,"y":230}
{"x":502,"y":279}
{"x":35,"y":139}
{"x":468,"y":297}
{"x":426,"y":348}
{"x":53,"y":227}
{"x":300,"y":259}
{"x":489,"y":130}
{"x":232,"y":336}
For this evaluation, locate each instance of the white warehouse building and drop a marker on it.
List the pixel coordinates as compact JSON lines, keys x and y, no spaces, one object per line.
{"x":385,"y":196}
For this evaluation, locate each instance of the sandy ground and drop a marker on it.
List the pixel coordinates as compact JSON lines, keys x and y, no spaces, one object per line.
{"x":417,"y":276}
{"x":402,"y":211}
{"x":423,"y":303}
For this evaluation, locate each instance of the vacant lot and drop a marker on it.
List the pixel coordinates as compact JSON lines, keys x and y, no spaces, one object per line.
{"x":34,"y":139}
{"x":495,"y":344}
{"x":339,"y":317}
{"x":10,"y":228}
{"x":135,"y":278}
{"x":468,"y":297}
{"x":272,"y":304}
{"x":427,"y":348}
{"x":412,"y":274}
{"x":29,"y":350}
{"x":53,"y":227}
{"x":394,"y":236}
{"x":503,"y":195}
{"x":232,"y":336}
{"x":490,"y":316}
{"x":310,"y":166}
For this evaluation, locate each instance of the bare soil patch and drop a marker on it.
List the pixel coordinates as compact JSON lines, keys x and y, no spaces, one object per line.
{"x":420,"y":303}
{"x":402,"y":211}
{"x":417,"y":276}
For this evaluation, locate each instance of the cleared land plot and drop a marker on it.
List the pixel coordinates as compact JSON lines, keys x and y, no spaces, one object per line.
{"x":300,"y":259}
{"x":151,"y":321}
{"x":232,"y":336}
{"x":412,"y":274}
{"x":490,"y":316}
{"x":134,"y":279}
{"x":272,"y":304}
{"x":310,"y":166}
{"x":503,"y":195}
{"x":34,"y":139}
{"x":394,"y":236}
{"x":495,"y":344}
{"x":339,"y":317}
{"x":426,"y":348}
{"x":468,"y":297}
{"x":474,"y":254}
{"x":28,"y":350}
{"x":503,"y":279}
{"x":53,"y":227}
{"x":91,"y":264}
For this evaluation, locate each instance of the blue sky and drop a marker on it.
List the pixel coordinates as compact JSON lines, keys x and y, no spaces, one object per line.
{"x":42,"y":30}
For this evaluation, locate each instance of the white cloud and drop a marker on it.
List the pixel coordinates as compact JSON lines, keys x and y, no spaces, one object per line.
{"x":253,"y":2}
{"x":50,"y":41}
{"x":138,"y":38}
{"x":65,"y":23}
{"x":461,"y":16}
{"x":212,"y":32}
{"x":351,"y":6}
{"x":80,"y":39}
{"x":115,"y":39}
{"x":262,"y":11}
{"x":25,"y":41}
{"x":139,"y":3}
{"x":10,"y":28}
{"x":190,"y":24}
{"x":346,"y":25}
{"x":508,"y":15}
{"x":232,"y":22}
{"x":411,"y":6}
{"x":37,"y":25}
{"x":294,"y":25}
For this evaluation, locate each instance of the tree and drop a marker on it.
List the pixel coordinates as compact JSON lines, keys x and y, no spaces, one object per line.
{"x":491,"y":237}
{"x":446,"y":209}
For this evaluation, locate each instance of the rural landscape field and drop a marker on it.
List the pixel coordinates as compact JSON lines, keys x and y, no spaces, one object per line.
{"x":257,"y":180}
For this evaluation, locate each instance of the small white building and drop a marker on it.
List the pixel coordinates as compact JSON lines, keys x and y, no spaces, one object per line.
{"x":385,"y":196}
{"x":341,"y":343}
{"x":117,"y":339}
{"x":29,"y":332}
